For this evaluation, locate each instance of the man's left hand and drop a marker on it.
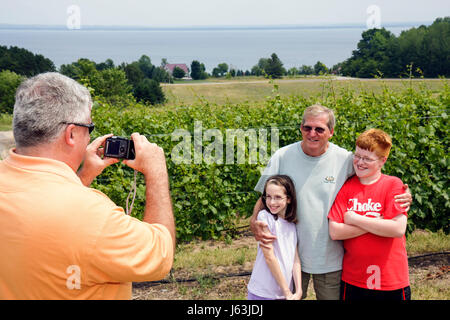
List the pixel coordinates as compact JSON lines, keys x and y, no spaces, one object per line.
{"x":94,"y":161}
{"x":404,"y":199}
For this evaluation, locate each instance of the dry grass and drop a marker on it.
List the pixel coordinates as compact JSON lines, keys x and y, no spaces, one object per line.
{"x":423,"y":241}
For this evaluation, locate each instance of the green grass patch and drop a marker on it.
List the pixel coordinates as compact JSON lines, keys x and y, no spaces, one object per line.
{"x":6,"y":122}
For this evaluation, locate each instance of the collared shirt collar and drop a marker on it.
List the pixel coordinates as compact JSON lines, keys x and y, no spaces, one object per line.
{"x":41,"y":164}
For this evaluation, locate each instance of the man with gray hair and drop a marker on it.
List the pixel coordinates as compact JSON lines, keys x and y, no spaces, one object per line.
{"x":318,"y":168}
{"x":60,"y":239}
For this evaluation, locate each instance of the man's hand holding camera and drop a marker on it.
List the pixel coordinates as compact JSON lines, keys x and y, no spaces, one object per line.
{"x":150,"y":161}
{"x":94,"y":161}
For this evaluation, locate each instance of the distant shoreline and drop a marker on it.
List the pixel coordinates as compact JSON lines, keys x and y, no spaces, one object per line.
{"x":207,"y":28}
{"x":240,"y":47}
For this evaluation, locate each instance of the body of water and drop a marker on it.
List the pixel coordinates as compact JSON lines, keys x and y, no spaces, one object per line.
{"x":240,"y":48}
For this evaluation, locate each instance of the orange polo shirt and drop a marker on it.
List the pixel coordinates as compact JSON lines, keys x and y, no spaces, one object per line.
{"x":62,"y":240}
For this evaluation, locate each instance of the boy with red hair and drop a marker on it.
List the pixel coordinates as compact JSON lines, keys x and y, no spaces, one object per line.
{"x":372,"y":225}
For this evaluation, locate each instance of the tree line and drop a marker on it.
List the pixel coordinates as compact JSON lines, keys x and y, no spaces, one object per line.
{"x":425,"y":49}
{"x":139,"y":80}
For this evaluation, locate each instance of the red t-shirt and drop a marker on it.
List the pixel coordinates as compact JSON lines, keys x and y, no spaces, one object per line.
{"x":371,"y":261}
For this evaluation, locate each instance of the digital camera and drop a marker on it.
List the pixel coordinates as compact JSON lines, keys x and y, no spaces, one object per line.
{"x":119,"y":147}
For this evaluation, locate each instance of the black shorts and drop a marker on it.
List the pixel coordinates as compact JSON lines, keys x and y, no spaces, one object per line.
{"x":353,"y":293}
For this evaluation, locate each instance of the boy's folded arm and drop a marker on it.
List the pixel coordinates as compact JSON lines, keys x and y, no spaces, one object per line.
{"x":342,"y":231}
{"x":393,"y":228}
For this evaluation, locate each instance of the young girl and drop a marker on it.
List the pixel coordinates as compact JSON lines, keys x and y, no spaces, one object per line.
{"x":277,"y":266}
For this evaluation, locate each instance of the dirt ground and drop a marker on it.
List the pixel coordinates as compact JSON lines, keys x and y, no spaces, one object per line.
{"x":429,"y":273}
{"x":218,"y":282}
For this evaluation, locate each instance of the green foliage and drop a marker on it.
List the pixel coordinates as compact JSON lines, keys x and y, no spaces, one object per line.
{"x":116,"y":83}
{"x":6,"y":122}
{"x":108,"y":82}
{"x":9,"y":81}
{"x":211,"y":198}
{"x":108,"y":64}
{"x":220,"y":70}
{"x":148,"y":90}
{"x":269,"y":67}
{"x":320,"y":68}
{"x":24,"y":62}
{"x":372,"y":55}
{"x":293,"y":71}
{"x":274,"y":67}
{"x":178,"y":73}
{"x":198,"y":70}
{"x":145,"y":64}
{"x":306,"y":70}
{"x":379,"y":51}
{"x":134,"y":73}
{"x":81,"y":69}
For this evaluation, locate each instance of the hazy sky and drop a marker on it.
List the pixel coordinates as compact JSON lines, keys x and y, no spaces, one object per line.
{"x":218,"y":12}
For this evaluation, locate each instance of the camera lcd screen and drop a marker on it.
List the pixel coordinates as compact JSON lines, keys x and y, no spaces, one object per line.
{"x":118,"y":147}
{"x":113,"y":147}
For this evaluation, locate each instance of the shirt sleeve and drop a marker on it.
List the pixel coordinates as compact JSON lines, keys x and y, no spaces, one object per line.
{"x":266,"y":217}
{"x":272,"y":168}
{"x":349,"y":165}
{"x":128,"y":249}
{"x":392,"y":208}
{"x":339,"y":207}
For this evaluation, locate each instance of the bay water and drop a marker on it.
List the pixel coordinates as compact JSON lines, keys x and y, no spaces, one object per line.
{"x":240,"y":48}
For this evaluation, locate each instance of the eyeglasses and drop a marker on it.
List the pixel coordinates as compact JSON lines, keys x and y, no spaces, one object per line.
{"x":364,"y":159}
{"x":90,"y":126}
{"x":274,"y":199}
{"x":319,"y":130}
